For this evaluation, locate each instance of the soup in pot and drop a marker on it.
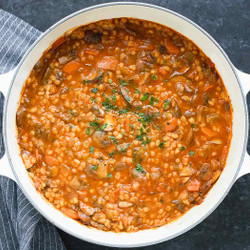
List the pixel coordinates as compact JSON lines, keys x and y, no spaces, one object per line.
{"x":124,"y":125}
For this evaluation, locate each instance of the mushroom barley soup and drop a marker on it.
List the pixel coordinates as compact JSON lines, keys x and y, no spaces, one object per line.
{"x":124,"y":125}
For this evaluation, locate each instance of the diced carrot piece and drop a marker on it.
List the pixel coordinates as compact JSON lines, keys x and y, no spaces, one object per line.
{"x":50,"y":160}
{"x":208,"y":132}
{"x":71,"y":67}
{"x":194,"y":186}
{"x":58,"y":42}
{"x":70,"y":213}
{"x":93,"y":52}
{"x":126,"y":124}
{"x":171,"y":125}
{"x":171,"y":48}
{"x":107,"y":62}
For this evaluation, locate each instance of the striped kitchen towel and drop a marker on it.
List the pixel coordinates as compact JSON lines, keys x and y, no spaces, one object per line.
{"x":21,"y":226}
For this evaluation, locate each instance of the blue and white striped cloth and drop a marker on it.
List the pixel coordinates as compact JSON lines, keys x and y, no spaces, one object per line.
{"x":21,"y":226}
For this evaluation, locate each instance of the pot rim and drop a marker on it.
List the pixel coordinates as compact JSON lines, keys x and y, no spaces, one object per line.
{"x":44,"y":34}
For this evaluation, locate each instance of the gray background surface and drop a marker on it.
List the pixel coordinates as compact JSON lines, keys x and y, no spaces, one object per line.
{"x":228,"y":21}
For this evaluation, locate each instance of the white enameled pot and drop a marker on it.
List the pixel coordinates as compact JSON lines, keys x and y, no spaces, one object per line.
{"x":237,"y":84}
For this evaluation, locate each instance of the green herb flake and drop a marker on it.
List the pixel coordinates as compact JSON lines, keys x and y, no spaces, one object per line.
{"x":95,"y":167}
{"x":110,"y":81}
{"x":161,"y":145}
{"x":113,"y":138}
{"x":95,"y":124}
{"x":107,"y":105}
{"x":94,"y":90}
{"x":193,"y":125}
{"x":70,"y":88}
{"x":112,"y":154}
{"x":123,"y":111}
{"x":113,"y":97}
{"x":104,"y":126}
{"x":88,"y":131}
{"x":166,"y":103}
{"x":123,"y":82}
{"x":165,"y":80}
{"x":145,"y":97}
{"x":71,"y":125}
{"x":182,"y":148}
{"x":137,"y":91}
{"x":191,"y":153}
{"x":109,"y":175}
{"x":93,"y":99}
{"x":92,"y":149}
{"x":153,"y":100}
{"x":139,"y":168}
{"x":132,"y":126}
{"x":84,"y":82}
{"x":154,"y":77}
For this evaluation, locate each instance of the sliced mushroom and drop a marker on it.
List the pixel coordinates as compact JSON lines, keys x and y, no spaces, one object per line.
{"x":88,"y":210}
{"x":190,"y":137}
{"x":212,"y":118}
{"x":97,"y":111}
{"x":145,"y":78}
{"x":99,"y":172}
{"x":85,"y":219}
{"x":151,"y":111}
{"x":126,"y":95}
{"x":189,"y":113}
{"x":205,"y":172}
{"x":27,"y":158}
{"x":122,"y":147}
{"x":94,"y":77}
{"x":92,"y":37}
{"x":64,"y":59}
{"x":179,"y":88}
{"x":101,"y":139}
{"x":21,"y":116}
{"x":177,"y":112}
{"x":119,"y":166}
{"x":110,"y":121}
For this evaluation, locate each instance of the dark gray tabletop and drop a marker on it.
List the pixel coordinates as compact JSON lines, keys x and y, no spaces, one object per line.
{"x":228,"y":21}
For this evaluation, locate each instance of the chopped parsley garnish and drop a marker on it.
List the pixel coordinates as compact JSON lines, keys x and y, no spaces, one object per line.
{"x":94,"y":90}
{"x":153,"y":100}
{"x":123,"y":82}
{"x":112,"y":153}
{"x":139,"y":168}
{"x":108,"y":105}
{"x":70,"y":88}
{"x":95,"y":124}
{"x":193,"y":125}
{"x":95,"y":167}
{"x":166,"y":103}
{"x":123,"y":111}
{"x":109,"y":175}
{"x":145,"y":97}
{"x":113,"y":98}
{"x":182,"y":148}
{"x":113,"y":138}
{"x":84,"y":82}
{"x":161,"y":145}
{"x":191,"y":153}
{"x":137,"y":91}
{"x":92,"y":149}
{"x":93,"y":99}
{"x":104,"y":126}
{"x":72,"y":113}
{"x":132,"y":126}
{"x":154,"y":77}
{"x":88,"y":131}
{"x":165,"y":80}
{"x":110,"y":80}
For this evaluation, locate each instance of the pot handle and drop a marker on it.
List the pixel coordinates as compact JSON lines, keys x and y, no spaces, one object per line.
{"x":245,"y":83}
{"x":5,"y":81}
